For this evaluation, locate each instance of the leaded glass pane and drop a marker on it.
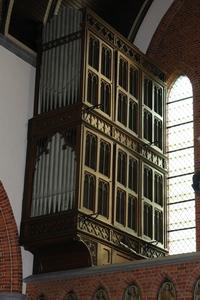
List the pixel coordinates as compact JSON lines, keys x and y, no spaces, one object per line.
{"x":182,"y":241}
{"x":182,"y":88}
{"x":181,"y":215}
{"x":186,"y":108}
{"x":181,"y":162}
{"x":180,"y":137}
{"x":180,"y":189}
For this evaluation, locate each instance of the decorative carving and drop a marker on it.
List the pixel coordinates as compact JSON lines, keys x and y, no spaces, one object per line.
{"x":133,"y":244}
{"x":42,"y":147}
{"x":97,"y":123}
{"x":88,"y":225}
{"x":149,"y":251}
{"x":132,"y":292}
{"x":126,"y":140}
{"x":124,"y":46}
{"x":62,"y":40}
{"x":116,"y":238}
{"x":127,"y":49}
{"x":100,"y":28}
{"x":167,"y":291}
{"x":93,"y":249}
{"x":153,"y":157}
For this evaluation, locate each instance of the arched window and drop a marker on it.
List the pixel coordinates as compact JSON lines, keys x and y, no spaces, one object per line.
{"x":70,"y":296}
{"x":167,"y":291}
{"x":100,"y":295}
{"x":197,"y":290}
{"x":180,"y":151}
{"x":132,"y":292}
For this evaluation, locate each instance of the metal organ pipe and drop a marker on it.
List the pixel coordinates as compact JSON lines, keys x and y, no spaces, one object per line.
{"x":54,"y":178}
{"x":60,"y":66}
{"x":55,"y":170}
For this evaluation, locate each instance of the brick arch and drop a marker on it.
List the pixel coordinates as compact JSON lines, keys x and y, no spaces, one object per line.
{"x":10,"y":254}
{"x":175,"y":48}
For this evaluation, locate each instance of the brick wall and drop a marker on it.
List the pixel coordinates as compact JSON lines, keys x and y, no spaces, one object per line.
{"x":182,"y":270}
{"x":10,"y":255}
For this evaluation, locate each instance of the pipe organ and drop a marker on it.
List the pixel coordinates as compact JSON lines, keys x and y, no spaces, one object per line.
{"x":94,"y":189}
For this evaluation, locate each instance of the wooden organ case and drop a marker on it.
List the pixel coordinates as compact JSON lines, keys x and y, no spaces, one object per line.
{"x":94,"y":188}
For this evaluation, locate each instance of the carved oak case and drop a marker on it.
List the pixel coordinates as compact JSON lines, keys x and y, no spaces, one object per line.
{"x":94,"y":188}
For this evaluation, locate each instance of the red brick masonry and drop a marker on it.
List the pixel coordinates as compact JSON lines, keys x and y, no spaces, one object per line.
{"x":10,"y":254}
{"x":183,"y":270}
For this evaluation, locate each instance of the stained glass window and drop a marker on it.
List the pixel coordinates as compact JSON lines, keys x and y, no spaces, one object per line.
{"x":180,"y":150}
